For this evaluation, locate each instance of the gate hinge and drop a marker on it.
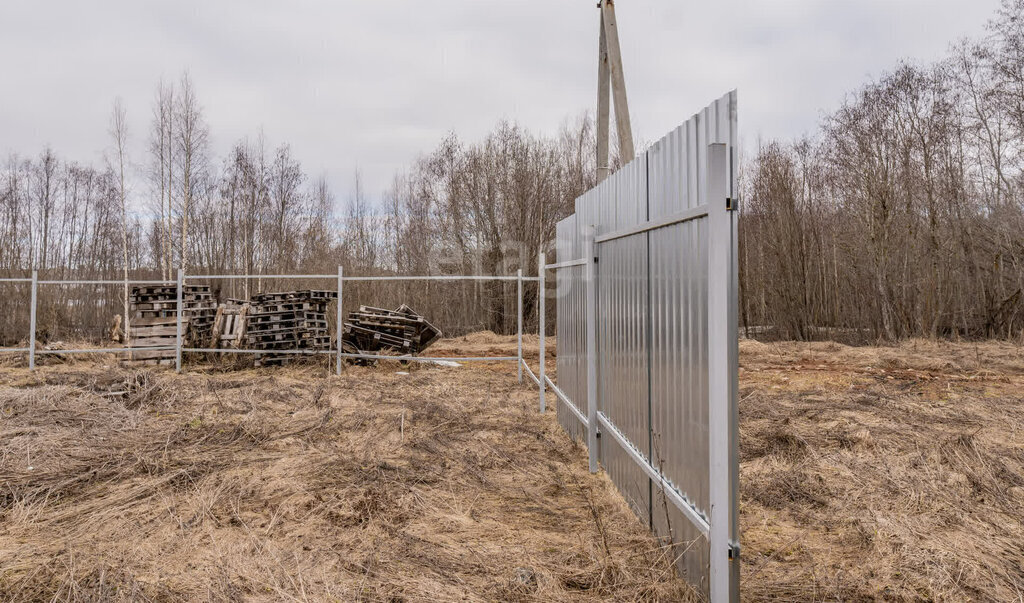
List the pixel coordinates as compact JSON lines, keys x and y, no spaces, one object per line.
{"x":729,"y":204}
{"x":734,"y":551}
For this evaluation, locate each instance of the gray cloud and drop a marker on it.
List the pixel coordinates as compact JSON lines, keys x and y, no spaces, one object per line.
{"x":373,"y":84}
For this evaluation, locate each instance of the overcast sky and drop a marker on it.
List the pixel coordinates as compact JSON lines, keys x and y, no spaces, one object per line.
{"x":375,"y":83}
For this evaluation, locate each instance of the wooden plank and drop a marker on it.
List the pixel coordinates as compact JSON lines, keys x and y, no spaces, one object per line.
{"x":156,"y":331}
{"x":153,"y":320}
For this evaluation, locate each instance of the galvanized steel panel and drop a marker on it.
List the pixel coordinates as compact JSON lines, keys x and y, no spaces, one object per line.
{"x":653,"y":332}
{"x":623,"y":385}
{"x":679,"y":292}
{"x":570,"y":327}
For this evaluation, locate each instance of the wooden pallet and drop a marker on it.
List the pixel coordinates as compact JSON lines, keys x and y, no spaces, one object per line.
{"x":155,"y":320}
{"x":288,"y":320}
{"x":229,"y":325}
{"x":379,"y":330}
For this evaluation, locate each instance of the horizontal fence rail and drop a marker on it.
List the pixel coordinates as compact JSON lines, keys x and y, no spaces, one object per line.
{"x":695,"y":515}
{"x":566,"y":264}
{"x":685,"y":216}
{"x":106,"y":282}
{"x":105,"y":350}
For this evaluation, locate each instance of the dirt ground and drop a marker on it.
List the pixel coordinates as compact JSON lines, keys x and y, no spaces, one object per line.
{"x":867,"y":473}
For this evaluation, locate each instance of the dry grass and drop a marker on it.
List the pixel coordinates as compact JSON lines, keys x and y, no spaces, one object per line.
{"x":443,"y":484}
{"x":882,"y":473}
{"x":873,"y":473}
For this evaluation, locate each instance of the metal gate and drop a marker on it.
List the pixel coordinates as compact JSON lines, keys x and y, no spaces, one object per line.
{"x":647,"y":340}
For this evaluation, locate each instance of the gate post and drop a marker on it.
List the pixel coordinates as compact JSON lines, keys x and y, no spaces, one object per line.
{"x":177,"y":341}
{"x":32,"y":322}
{"x":590,"y":282}
{"x":519,"y":323}
{"x":340,"y":325}
{"x":724,"y":561}
{"x":541,"y":274}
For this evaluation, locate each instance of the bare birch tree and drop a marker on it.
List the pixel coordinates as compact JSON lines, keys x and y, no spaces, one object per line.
{"x":191,"y":141}
{"x":119,"y":135}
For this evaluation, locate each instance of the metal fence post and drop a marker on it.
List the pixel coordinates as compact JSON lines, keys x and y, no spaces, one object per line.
{"x":724,"y":555}
{"x":590,"y":282}
{"x":519,"y":322}
{"x":337,"y":363}
{"x":541,"y":274}
{"x":32,"y":322}
{"x":177,"y":341}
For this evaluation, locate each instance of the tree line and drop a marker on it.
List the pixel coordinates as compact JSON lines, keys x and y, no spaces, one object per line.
{"x":901,"y":216}
{"x":482,"y":208}
{"x":904,"y":214}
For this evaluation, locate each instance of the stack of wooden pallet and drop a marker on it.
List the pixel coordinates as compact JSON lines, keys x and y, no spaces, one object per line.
{"x":200,"y":313}
{"x":292,"y":320}
{"x":154,"y":320}
{"x":400,"y":331}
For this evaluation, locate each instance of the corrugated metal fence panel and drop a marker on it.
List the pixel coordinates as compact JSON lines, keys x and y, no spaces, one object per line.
{"x":679,"y":297}
{"x":586,"y":213}
{"x":570,"y":327}
{"x":622,"y":328}
{"x":679,"y":327}
{"x":652,"y":324}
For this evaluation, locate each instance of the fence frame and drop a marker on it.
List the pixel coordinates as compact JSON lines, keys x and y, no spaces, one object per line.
{"x":183,"y":278}
{"x":720,"y":524}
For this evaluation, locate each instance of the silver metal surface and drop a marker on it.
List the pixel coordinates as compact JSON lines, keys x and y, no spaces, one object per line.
{"x":693,"y":514}
{"x":437,"y":277}
{"x":654,"y":234}
{"x":15,"y":280}
{"x":445,"y":277}
{"x":720,"y":436}
{"x":684,"y":216}
{"x":565,"y":264}
{"x":568,"y":403}
{"x":541,"y":299}
{"x":179,"y":311}
{"x":734,"y":360}
{"x":529,"y":372}
{"x":570,"y":365}
{"x":106,"y":350}
{"x":623,"y":386}
{"x":432,"y":358}
{"x":339,"y":324}
{"x":249,"y":277}
{"x":106,"y":282}
{"x":590,"y":281}
{"x":32,"y":321}
{"x":679,"y":356}
{"x":519,"y":322}
{"x":249,"y":351}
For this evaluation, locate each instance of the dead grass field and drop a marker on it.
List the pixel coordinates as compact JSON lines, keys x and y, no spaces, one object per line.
{"x":444,"y":484}
{"x":871,"y":473}
{"x":882,"y":473}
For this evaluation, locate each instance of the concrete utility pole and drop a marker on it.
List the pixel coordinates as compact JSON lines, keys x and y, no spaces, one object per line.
{"x":610,"y":77}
